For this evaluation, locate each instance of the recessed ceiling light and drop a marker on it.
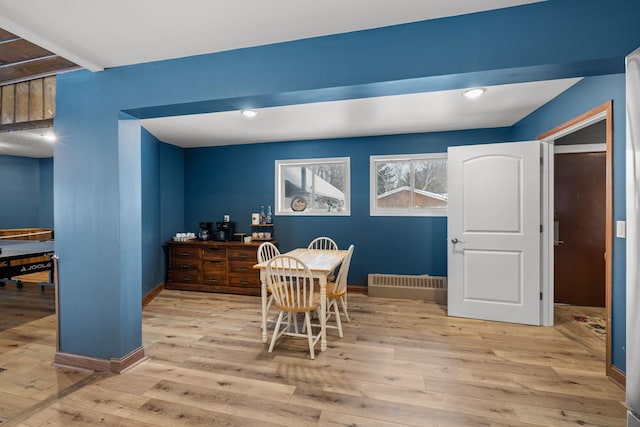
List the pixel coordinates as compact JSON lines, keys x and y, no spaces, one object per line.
{"x":249,"y":113}
{"x":473,"y":93}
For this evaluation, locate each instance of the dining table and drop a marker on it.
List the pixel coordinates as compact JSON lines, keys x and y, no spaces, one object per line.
{"x":322,"y":263}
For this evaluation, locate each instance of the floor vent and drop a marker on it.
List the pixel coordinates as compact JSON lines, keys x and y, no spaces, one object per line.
{"x":424,"y":287}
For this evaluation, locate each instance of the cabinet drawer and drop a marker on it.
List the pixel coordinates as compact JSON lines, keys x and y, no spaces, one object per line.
{"x":249,"y":255}
{"x":186,"y":252}
{"x":184,"y":276}
{"x":214,"y":252}
{"x":244,"y":280}
{"x":214,"y":279}
{"x":214,"y":265}
{"x":242,"y":267}
{"x":185,"y":264}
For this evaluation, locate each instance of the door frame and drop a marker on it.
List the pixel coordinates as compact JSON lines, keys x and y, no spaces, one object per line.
{"x":599,"y":113}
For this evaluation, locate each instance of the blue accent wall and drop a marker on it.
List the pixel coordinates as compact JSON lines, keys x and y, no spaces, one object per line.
{"x":163,"y":175}
{"x":589,"y":93}
{"x":20,"y":198}
{"x":238,"y":179}
{"x":172,"y":176}
{"x":151,"y":237}
{"x":46,"y":192}
{"x":495,"y":47}
{"x":131,"y":249}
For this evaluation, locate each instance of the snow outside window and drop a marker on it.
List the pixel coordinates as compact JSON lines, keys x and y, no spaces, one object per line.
{"x":409,"y":185}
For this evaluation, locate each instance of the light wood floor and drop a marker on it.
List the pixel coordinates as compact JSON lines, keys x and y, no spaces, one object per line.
{"x":400,"y":363}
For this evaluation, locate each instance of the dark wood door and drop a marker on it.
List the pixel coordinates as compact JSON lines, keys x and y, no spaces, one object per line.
{"x":579,"y":267}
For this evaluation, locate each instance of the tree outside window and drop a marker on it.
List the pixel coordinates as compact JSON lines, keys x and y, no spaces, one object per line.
{"x":409,"y":185}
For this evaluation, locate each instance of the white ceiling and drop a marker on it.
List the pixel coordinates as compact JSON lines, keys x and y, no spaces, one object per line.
{"x":420,"y":112}
{"x":97,"y":34}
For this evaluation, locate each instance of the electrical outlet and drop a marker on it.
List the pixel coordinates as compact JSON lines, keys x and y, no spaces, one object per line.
{"x":621,"y":229}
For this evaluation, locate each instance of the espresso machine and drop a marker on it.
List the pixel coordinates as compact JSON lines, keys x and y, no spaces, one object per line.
{"x":206,"y":231}
{"x":224,"y":231}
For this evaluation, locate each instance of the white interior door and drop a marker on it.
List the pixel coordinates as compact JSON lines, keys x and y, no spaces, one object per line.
{"x":494,"y":232}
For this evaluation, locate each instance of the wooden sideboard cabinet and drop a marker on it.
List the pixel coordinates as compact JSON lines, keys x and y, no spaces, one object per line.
{"x":209,"y":266}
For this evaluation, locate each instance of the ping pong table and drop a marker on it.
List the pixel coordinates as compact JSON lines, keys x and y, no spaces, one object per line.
{"x":13,"y":254}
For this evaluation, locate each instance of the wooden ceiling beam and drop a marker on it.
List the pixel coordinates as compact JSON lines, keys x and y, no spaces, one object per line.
{"x":7,"y":36}
{"x":21,"y":60}
{"x":21,"y":50}
{"x":33,"y":124}
{"x":9,"y":39}
{"x":26,"y":70}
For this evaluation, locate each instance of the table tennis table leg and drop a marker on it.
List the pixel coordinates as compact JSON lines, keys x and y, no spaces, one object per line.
{"x":18,"y":283}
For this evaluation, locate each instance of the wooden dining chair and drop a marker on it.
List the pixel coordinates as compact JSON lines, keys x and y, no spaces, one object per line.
{"x":291,"y":285}
{"x":324,"y":243}
{"x":266,"y":251}
{"x":337,"y":290}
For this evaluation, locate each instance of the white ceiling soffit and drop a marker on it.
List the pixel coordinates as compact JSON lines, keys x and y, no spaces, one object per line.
{"x":27,"y":143}
{"x":420,"y":112}
{"x":98,"y":34}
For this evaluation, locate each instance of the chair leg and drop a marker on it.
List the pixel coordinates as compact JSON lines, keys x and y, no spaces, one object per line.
{"x":269,"y":302}
{"x":307,"y":321}
{"x":343,"y":301}
{"x":337,"y":314}
{"x":295,"y":322}
{"x":276,"y":331}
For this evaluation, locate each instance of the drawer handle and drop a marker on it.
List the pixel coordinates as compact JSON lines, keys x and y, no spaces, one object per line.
{"x":243,"y":268}
{"x":185,"y":265}
{"x":242,"y":255}
{"x":215,"y":260}
{"x":214,"y":249}
{"x":186,"y":279}
{"x":183,"y":253}
{"x":214,"y":280}
{"x":244,"y":282}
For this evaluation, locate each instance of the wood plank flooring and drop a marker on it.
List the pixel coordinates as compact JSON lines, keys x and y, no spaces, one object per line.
{"x":400,"y":363}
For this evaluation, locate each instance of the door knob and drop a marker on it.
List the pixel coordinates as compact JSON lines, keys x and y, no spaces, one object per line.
{"x":455,"y":240}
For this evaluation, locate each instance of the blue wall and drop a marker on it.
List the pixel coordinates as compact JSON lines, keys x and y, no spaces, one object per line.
{"x":46,"y":192}
{"x":26,"y":192}
{"x":495,"y":47}
{"x":215,"y":185}
{"x":151,"y":261}
{"x":172,"y":172}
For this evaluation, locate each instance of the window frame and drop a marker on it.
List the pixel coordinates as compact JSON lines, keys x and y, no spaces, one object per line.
{"x":409,"y":211}
{"x":279,"y":185}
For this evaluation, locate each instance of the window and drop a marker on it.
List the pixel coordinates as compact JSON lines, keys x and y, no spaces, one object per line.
{"x":409,"y":185}
{"x":313,"y":187}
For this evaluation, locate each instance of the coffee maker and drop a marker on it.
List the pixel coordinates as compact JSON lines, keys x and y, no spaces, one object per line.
{"x":224,"y":231}
{"x":206,"y":231}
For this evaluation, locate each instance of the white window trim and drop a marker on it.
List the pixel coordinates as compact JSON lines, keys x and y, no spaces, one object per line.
{"x":279,"y":190}
{"x":373,"y":185}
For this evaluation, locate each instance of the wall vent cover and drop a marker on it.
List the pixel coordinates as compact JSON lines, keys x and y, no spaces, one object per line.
{"x":424,"y":287}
